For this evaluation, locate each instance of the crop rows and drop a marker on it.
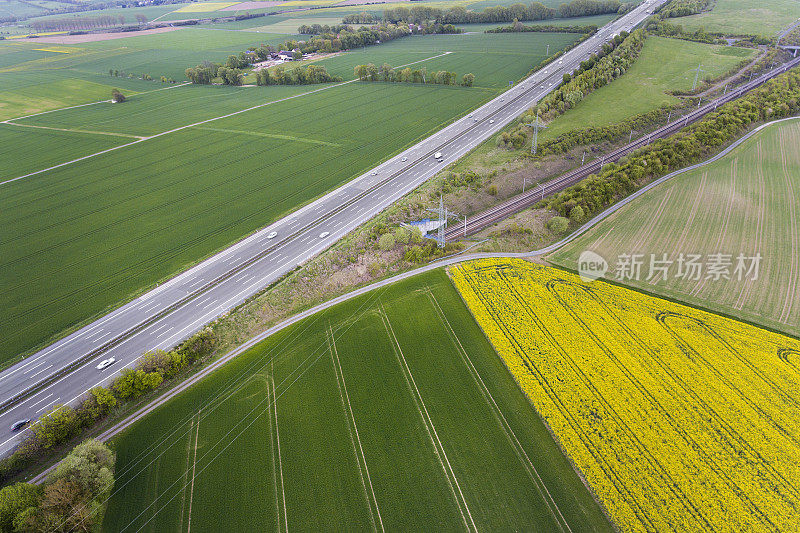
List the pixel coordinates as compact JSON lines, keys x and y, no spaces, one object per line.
{"x":679,"y":419}
{"x":388,"y":412}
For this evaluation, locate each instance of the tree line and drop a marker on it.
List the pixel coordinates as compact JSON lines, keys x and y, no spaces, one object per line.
{"x":533,"y":11}
{"x":597,"y":134}
{"x":348,"y":38}
{"x":611,"y":62}
{"x":778,"y":98}
{"x":360,"y":18}
{"x":385,"y":72}
{"x":82,"y":23}
{"x":518,"y":27}
{"x":682,"y":8}
{"x":72,"y":498}
{"x":304,"y":75}
{"x":62,"y":423}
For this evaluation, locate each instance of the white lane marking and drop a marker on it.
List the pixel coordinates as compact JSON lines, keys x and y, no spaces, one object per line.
{"x":46,"y":406}
{"x":162,"y":334}
{"x":40,"y":371}
{"x":40,"y":401}
{"x":34,"y":367}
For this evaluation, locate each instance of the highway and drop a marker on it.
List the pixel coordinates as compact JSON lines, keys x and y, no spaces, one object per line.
{"x":161,"y":318}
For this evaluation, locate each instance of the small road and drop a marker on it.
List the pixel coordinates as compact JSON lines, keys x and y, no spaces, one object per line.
{"x":529,"y":198}
{"x":161,"y":400}
{"x":163,"y":317}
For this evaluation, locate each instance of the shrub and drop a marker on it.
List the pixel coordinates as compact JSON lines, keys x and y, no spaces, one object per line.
{"x":402,"y":235}
{"x":56,"y":426}
{"x":14,"y":499}
{"x":117,"y":96}
{"x":415,"y":254}
{"x":557,"y":224}
{"x":576,"y":214}
{"x":386,"y":242}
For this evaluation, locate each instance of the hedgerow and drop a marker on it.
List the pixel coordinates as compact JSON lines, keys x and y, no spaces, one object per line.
{"x":611,"y":62}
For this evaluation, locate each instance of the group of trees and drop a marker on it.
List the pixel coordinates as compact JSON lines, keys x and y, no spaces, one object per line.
{"x":82,"y":23}
{"x":776,"y":99}
{"x":319,"y":29}
{"x":64,"y":423}
{"x":72,"y":498}
{"x":348,"y":38}
{"x":682,"y":8}
{"x":586,"y":8}
{"x":517,"y":26}
{"x":207,"y":72}
{"x":657,"y":26}
{"x":360,"y":18}
{"x":304,"y":75}
{"x":533,"y":11}
{"x":117,"y":96}
{"x":597,"y":134}
{"x":385,"y":72}
{"x":611,"y":62}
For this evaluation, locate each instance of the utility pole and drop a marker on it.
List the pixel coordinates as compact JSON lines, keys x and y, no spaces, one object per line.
{"x":698,"y":102}
{"x":697,"y":75}
{"x":547,"y":54}
{"x":444,"y":214}
{"x":630,"y":137}
{"x":542,"y":187}
{"x":524,"y":179}
{"x":465,"y":225}
{"x":726,"y":89}
{"x":583,"y":157}
{"x":669,"y":116}
{"x":535,"y":139}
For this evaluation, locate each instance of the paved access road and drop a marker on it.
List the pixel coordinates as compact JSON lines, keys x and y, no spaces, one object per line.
{"x":64,"y":371}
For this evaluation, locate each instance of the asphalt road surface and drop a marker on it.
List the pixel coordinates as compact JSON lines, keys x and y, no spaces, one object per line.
{"x":161,"y":318}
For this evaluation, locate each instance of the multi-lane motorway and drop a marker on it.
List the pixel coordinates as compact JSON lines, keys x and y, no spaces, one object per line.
{"x":161,"y":318}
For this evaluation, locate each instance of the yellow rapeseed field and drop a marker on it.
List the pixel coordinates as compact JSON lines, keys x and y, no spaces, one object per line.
{"x":680,"y":420}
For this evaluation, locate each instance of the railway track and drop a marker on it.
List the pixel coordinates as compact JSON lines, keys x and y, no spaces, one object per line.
{"x":527,"y":199}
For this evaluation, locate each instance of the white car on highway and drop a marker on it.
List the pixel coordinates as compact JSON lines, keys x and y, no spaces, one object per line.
{"x":324,"y":234}
{"x":105,"y":363}
{"x":272,"y":234}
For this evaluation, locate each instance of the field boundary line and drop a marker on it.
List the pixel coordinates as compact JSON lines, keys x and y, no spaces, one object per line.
{"x":272,"y":136}
{"x":194,"y":469}
{"x":51,"y":128}
{"x":429,"y":426}
{"x":337,"y":368}
{"x":274,"y":404}
{"x":501,"y":419}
